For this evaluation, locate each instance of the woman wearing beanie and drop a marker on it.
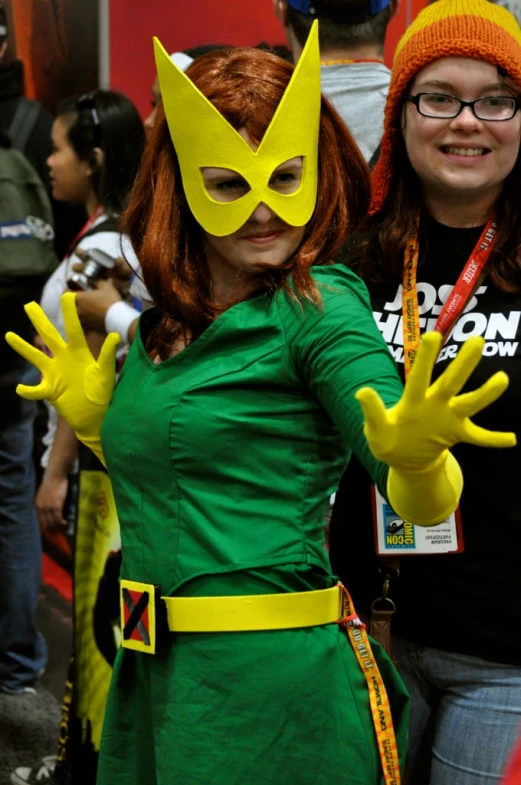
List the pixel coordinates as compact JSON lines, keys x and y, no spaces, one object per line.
{"x":441,"y":250}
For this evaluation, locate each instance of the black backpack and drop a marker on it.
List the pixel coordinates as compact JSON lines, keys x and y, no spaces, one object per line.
{"x":23,"y":122}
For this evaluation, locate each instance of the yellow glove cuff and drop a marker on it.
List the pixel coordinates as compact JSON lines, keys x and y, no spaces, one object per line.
{"x":428,"y":496}
{"x":93,"y":442}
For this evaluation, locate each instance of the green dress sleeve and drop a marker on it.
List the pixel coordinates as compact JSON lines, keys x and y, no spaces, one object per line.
{"x":336,"y":348}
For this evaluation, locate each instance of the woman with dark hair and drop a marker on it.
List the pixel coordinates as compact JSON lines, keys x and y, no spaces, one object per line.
{"x":98,"y":141}
{"x":105,"y":132}
{"x":242,"y":661}
{"x":442,"y":250}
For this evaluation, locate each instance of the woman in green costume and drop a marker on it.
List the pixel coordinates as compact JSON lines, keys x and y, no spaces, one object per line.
{"x":236,"y":411}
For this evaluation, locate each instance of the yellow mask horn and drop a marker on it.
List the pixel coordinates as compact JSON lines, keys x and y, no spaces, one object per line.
{"x":203,"y":138}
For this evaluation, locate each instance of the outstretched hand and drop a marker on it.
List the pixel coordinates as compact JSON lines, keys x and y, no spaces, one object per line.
{"x":78,"y":386}
{"x":431,"y":418}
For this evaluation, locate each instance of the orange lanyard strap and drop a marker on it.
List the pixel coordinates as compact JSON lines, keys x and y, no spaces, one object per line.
{"x":410,"y":310}
{"x":378,"y":698}
{"x":457,"y":300}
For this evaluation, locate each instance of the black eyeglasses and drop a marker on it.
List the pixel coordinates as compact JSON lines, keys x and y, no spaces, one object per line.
{"x":87,"y":103}
{"x":495,"y":108}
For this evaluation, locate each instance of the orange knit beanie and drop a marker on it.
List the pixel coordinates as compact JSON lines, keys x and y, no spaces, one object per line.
{"x":447,"y":28}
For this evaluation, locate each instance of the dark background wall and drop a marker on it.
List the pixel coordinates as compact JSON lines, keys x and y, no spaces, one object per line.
{"x":57,"y":40}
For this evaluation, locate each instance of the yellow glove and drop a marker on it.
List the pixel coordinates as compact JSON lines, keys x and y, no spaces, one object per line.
{"x":78,"y":386}
{"x":414,"y":436}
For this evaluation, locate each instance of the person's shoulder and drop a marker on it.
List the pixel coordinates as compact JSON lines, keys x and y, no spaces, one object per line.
{"x":360,"y":79}
{"x":341,"y":295}
{"x":15,"y":164}
{"x":338,"y":280}
{"x":332,"y":282}
{"x":105,"y":237}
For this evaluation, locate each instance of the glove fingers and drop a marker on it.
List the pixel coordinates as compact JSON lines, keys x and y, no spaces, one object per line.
{"x":419,"y":379}
{"x":460,"y":369}
{"x":107,"y":355}
{"x":73,"y":328}
{"x":100,"y":377}
{"x":30,"y":353}
{"x":45,"y":329}
{"x":471,"y":403}
{"x":374,"y":411}
{"x":34,"y":393}
{"x":483,"y":438}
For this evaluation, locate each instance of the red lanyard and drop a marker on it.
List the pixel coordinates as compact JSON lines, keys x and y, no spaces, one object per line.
{"x":458,"y":298}
{"x":84,"y":229}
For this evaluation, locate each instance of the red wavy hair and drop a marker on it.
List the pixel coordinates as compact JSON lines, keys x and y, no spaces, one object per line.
{"x":246,"y":86}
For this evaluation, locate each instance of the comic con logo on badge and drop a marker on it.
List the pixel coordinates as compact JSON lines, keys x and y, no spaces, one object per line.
{"x":398,"y":533}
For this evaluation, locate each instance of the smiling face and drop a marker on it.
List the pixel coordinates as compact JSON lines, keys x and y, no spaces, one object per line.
{"x":265,"y":239}
{"x":462,"y":157}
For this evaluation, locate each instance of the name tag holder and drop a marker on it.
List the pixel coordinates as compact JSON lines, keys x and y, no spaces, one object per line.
{"x":395,"y":537}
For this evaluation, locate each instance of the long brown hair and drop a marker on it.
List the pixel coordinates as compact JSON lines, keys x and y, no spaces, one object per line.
{"x":246,"y":86}
{"x":377,"y":252}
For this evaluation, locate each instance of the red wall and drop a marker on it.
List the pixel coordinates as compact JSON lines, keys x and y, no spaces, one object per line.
{"x":239,"y":22}
{"x":132,"y":26}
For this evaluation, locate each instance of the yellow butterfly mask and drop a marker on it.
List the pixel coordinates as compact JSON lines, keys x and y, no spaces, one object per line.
{"x":203,"y":138}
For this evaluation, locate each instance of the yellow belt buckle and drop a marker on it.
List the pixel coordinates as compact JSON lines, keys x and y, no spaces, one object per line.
{"x":143,"y":615}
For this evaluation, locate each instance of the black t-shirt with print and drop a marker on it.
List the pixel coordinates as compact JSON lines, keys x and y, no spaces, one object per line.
{"x":468,"y":602}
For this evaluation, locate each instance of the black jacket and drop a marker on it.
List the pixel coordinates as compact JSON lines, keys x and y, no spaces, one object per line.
{"x":39,"y":144}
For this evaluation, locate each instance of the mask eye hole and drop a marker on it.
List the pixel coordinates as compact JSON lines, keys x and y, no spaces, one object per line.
{"x":224,"y":185}
{"x":287,"y":177}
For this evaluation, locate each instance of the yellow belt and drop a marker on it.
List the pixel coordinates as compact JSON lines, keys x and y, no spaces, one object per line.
{"x":144,"y":613}
{"x":254,"y":612}
{"x":141,"y":604}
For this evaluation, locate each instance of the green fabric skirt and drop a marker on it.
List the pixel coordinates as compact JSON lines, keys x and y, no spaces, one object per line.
{"x":248,"y":708}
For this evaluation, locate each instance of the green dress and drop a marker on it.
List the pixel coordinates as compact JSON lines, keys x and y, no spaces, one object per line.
{"x":223,"y":459}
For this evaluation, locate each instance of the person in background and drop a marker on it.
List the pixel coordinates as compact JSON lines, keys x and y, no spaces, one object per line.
{"x":27,"y":259}
{"x":231,"y":422}
{"x":183,"y":60}
{"x":443,"y":247}
{"x":353,"y":74}
{"x":106,"y":307}
{"x":98,"y":141}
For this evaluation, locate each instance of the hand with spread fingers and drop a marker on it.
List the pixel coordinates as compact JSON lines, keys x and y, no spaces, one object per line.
{"x":431,"y":418}
{"x":414,"y":436}
{"x":77,"y":385}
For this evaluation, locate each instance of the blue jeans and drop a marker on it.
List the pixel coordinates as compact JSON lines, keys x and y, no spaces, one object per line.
{"x":465,"y":715}
{"x":23,"y":652}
